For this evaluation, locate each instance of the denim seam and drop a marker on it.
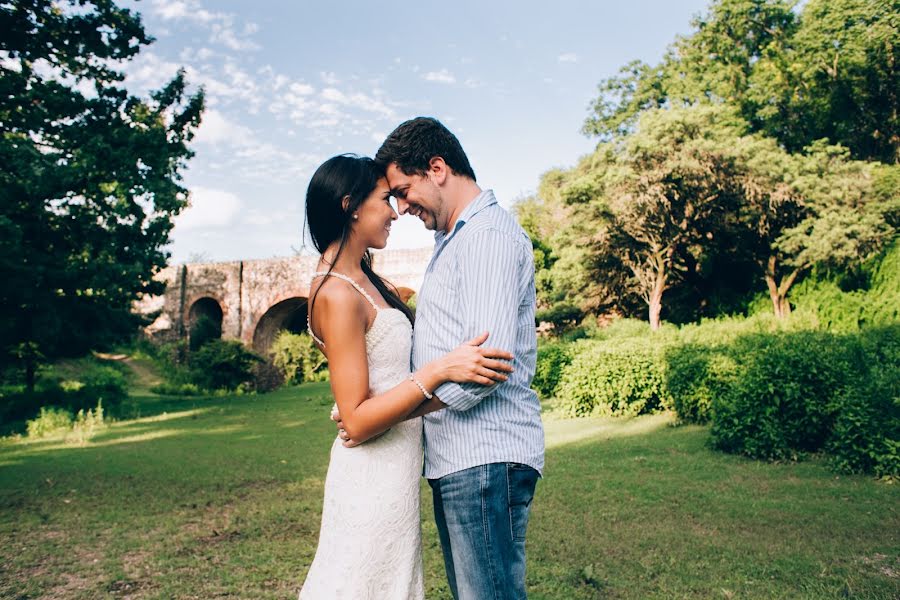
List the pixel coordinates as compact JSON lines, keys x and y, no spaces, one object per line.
{"x":486,"y":528}
{"x":509,"y":510}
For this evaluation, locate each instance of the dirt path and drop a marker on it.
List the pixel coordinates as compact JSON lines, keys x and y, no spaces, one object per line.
{"x":145,"y":375}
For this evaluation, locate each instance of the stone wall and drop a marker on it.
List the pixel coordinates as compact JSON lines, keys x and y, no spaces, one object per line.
{"x":258,"y":297}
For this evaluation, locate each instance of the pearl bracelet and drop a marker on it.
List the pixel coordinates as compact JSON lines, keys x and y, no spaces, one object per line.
{"x":428,"y":396}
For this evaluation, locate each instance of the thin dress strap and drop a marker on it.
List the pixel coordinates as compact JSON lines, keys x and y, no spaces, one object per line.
{"x":358,"y":287}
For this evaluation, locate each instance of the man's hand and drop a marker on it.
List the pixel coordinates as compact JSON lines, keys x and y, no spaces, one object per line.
{"x":342,"y":433}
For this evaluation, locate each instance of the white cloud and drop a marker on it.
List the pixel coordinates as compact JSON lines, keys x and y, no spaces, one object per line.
{"x":442,"y":76}
{"x":209,"y":208}
{"x":568,"y":57}
{"x":221,"y":25}
{"x":329,"y":78}
{"x":215,"y":128}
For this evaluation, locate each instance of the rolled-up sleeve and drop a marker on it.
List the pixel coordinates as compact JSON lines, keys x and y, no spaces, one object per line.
{"x":490,"y":275}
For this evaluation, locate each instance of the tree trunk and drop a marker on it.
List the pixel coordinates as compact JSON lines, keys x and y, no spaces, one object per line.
{"x":778,"y":291}
{"x":30,"y":374}
{"x":655,"y":300}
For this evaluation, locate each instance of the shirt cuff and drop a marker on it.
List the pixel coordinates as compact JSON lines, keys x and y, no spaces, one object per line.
{"x":455,"y":397}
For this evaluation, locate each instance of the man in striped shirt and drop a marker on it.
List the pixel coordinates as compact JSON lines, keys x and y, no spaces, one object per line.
{"x":484,"y":445}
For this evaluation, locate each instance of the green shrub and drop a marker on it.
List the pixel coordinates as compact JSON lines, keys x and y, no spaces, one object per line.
{"x":616,"y":378}
{"x":50,"y":420}
{"x":866,"y":435}
{"x":299,"y":358}
{"x":203,"y":330}
{"x":167,"y":388}
{"x":267,"y":377}
{"x":551,"y":359}
{"x":695,"y":376}
{"x":222,"y":364}
{"x":784,"y":398}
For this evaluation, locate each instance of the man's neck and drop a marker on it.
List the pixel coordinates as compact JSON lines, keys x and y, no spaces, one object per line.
{"x":465,"y":191}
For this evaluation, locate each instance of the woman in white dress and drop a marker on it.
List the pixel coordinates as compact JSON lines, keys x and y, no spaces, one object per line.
{"x":370,"y":537}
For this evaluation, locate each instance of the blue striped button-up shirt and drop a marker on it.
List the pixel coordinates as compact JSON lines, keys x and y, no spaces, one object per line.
{"x":481,"y":278}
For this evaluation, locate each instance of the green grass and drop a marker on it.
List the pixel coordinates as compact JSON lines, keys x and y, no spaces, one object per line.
{"x":200,"y":498}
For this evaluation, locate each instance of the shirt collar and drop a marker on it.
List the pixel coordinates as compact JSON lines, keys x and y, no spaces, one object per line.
{"x":481,"y":201}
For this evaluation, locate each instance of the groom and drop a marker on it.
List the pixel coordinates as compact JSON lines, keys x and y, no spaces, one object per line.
{"x":484,"y":445}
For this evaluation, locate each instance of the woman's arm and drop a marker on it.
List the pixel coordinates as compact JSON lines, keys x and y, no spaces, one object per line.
{"x":340,"y":318}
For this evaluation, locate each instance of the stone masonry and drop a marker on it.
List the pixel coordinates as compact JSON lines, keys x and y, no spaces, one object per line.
{"x":255,"y":299}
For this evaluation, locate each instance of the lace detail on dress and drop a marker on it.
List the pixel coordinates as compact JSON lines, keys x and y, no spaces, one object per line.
{"x":370,"y":542}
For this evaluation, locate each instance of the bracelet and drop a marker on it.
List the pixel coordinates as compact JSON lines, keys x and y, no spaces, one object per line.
{"x":428,"y":396}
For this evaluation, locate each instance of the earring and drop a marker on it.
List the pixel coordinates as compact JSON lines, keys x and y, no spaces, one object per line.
{"x":355,"y":215}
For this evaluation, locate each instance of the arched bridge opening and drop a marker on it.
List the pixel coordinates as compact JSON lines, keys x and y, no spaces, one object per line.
{"x":289,"y":315}
{"x":204,"y":322}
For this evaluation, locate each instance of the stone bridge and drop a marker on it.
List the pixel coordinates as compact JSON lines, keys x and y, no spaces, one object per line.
{"x":252,"y":300}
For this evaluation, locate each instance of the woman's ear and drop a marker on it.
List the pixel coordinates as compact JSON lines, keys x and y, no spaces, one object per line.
{"x":345,"y":202}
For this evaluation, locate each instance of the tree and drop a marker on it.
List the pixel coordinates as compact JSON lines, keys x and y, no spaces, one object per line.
{"x":90,"y":175}
{"x":829,"y":70}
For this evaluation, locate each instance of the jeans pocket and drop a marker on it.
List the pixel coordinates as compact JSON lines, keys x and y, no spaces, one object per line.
{"x":522,"y":480}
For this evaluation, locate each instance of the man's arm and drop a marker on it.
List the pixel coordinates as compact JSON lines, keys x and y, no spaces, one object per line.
{"x":490,"y":274}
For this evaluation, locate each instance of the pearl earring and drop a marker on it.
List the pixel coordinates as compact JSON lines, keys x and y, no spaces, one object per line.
{"x":355,"y":216}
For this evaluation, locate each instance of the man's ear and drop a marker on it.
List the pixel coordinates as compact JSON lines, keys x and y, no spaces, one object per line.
{"x":439,"y":170}
{"x":345,"y":202}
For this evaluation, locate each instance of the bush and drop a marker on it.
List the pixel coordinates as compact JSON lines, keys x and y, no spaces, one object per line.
{"x":551,"y":359}
{"x":222,"y":365}
{"x":267,"y":377}
{"x":811,"y":391}
{"x":168,"y":388}
{"x":866,"y":435}
{"x":203,"y":330}
{"x":695,"y":376}
{"x":299,"y":358}
{"x":616,"y":378}
{"x":50,"y":420}
{"x":73,"y":386}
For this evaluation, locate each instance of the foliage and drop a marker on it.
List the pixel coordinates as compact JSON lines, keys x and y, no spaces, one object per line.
{"x":222,"y":365}
{"x":297,"y":355}
{"x":695,"y":376}
{"x":827,"y":70}
{"x":267,"y":377}
{"x":624,"y":378}
{"x":53,"y":420}
{"x":90,"y":179}
{"x":803,"y":392}
{"x":551,"y":359}
{"x":204,"y":329}
{"x":49,"y":421}
{"x":72,"y":385}
{"x":168,"y":388}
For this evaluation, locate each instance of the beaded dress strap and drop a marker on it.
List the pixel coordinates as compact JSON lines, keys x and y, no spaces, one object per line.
{"x":358,"y":287}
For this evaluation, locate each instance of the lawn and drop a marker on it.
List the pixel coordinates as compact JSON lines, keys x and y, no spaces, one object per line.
{"x":216,"y":497}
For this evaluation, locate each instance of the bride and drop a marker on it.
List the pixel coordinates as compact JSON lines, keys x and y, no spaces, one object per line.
{"x":370,"y":538}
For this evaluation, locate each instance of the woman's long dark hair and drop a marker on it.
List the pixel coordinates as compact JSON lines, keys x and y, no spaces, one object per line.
{"x":328,"y":220}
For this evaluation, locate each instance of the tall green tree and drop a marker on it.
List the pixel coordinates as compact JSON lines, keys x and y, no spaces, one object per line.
{"x":89,"y":175}
{"x":828,"y":69}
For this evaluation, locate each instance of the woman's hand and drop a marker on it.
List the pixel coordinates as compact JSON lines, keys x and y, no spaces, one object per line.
{"x":471,"y":363}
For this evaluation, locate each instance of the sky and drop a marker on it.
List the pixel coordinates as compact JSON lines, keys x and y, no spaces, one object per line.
{"x":291,"y":83}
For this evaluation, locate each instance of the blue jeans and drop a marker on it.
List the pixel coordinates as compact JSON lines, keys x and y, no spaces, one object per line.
{"x":482,"y":515}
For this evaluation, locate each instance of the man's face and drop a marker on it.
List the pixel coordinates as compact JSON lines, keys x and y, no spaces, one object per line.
{"x":417,"y":195}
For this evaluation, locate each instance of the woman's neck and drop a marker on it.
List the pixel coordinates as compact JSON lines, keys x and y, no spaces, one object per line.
{"x":348,"y":263}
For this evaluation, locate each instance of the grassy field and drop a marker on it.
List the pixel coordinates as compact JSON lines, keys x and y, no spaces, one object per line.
{"x":220,"y":497}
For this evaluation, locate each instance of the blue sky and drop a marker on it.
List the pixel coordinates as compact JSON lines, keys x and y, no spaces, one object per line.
{"x":290,"y":84}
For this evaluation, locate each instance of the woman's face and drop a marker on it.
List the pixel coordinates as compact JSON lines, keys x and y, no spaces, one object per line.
{"x":376,"y":214}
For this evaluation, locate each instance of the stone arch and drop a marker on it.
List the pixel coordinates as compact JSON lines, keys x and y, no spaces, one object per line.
{"x":289,"y":314}
{"x":207,"y":309}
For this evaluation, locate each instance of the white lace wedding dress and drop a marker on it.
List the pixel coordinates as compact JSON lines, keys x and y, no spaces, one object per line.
{"x":370,"y":542}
